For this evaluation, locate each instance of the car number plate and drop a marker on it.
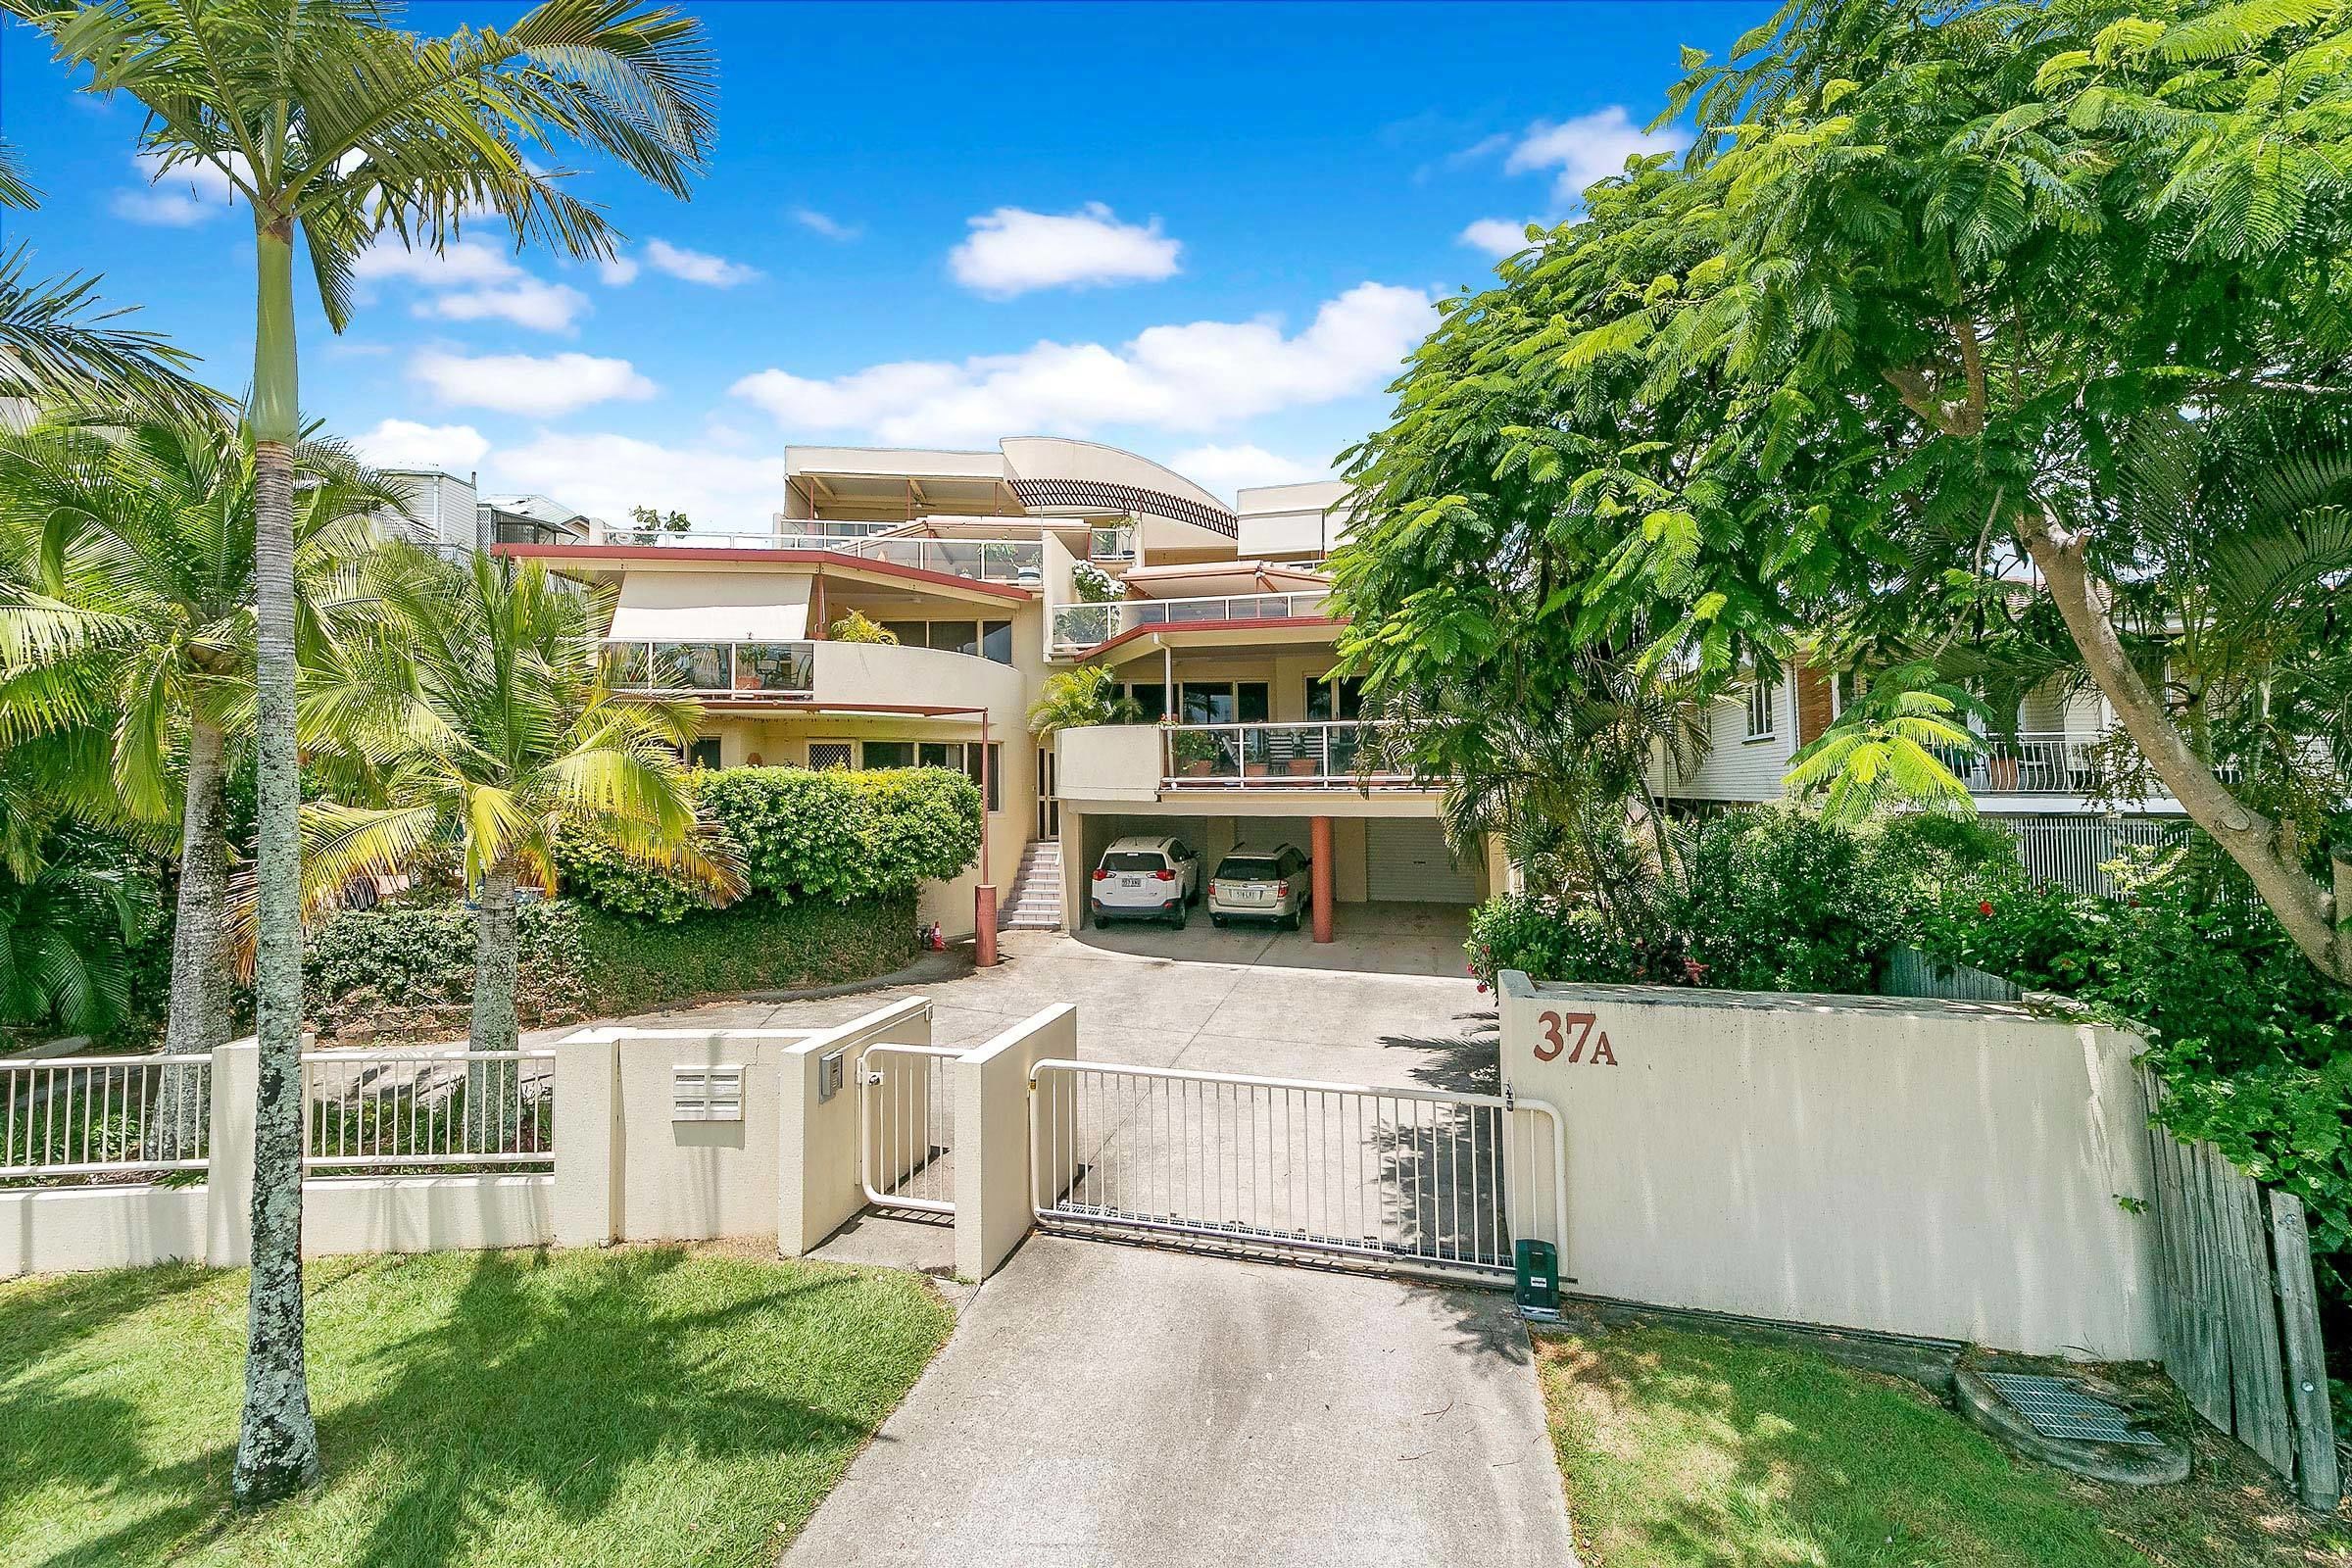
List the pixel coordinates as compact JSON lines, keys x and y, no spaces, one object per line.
{"x":1131,"y":883}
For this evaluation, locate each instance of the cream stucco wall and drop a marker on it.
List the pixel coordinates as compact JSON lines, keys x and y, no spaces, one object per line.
{"x":1949,"y":1169}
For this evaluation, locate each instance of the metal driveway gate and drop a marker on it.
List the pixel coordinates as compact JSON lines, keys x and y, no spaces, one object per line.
{"x":906,"y":1126}
{"x":1414,"y":1178}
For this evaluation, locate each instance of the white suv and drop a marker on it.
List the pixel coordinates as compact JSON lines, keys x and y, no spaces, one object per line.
{"x":1144,"y":879}
{"x":1260,"y":882}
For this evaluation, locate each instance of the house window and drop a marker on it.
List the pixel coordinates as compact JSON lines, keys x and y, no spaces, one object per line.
{"x":1763,"y":706}
{"x":1321,"y":689}
{"x":955,"y":636}
{"x":1150,"y":701}
{"x":996,"y":640}
{"x":963,"y":757}
{"x":830,"y":753}
{"x":703,"y":753}
{"x":890,"y":754}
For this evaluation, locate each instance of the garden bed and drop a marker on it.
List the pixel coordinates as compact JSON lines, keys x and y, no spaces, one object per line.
{"x":637,"y":1405}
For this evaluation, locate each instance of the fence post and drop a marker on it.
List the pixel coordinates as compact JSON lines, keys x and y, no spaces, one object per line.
{"x":588,"y":1173}
{"x":228,"y":1172}
{"x":817,"y":1189}
{"x":998,"y":1169}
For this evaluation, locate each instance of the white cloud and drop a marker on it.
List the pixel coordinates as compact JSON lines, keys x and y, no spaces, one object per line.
{"x":1012,"y":251}
{"x":1496,"y":236}
{"x":1584,"y":149}
{"x":457,"y":263}
{"x":1191,"y":377}
{"x":606,"y":475}
{"x":811,"y":218}
{"x":472,"y":280}
{"x":527,"y":302}
{"x":523,"y":383}
{"x":697,"y":266}
{"x":177,"y":197}
{"x":1196,"y":377}
{"x":619,"y":271}
{"x":407,"y":444}
{"x":1226,"y":469}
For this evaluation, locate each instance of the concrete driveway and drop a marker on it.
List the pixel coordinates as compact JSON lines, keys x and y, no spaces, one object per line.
{"x":1232,"y":1002}
{"x":1102,"y":1405}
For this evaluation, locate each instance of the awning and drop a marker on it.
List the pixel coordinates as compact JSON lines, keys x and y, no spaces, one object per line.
{"x":1220,"y":580}
{"x":752,"y":606}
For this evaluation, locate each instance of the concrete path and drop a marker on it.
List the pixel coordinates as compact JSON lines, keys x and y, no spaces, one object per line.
{"x":1102,"y":1405}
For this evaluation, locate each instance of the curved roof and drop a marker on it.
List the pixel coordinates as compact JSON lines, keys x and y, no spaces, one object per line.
{"x":1059,"y":471}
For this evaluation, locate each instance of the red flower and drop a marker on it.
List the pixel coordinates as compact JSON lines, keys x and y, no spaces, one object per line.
{"x":1985,"y":909}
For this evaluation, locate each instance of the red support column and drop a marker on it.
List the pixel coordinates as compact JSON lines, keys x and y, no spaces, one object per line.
{"x":1318,"y":839}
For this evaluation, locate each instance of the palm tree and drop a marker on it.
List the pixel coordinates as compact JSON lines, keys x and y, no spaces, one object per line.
{"x":326,"y":122}
{"x":127,"y":553}
{"x":1890,"y":748}
{"x":482,"y":701}
{"x":1078,"y":698}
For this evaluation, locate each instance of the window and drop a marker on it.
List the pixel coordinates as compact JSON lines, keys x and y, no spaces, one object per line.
{"x":703,"y":753}
{"x":890,"y":754}
{"x":963,"y":757}
{"x":1223,"y":701}
{"x":1763,"y":708}
{"x":1320,"y":689}
{"x":996,"y":640}
{"x":955,"y":636}
{"x":829,"y":754}
{"x":1134,"y":861}
{"x":1151,"y":700}
{"x":909,"y":633}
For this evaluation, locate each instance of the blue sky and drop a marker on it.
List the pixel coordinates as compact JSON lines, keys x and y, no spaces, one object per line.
{"x":1204,"y":232}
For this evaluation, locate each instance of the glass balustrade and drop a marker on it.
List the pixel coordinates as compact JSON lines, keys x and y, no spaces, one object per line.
{"x":1018,"y":561}
{"x":715,"y":669}
{"x":1085,"y":625}
{"x":1274,"y":755}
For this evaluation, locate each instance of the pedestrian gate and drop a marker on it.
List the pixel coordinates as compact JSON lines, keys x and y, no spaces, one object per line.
{"x":906,"y":1126}
{"x":1413,"y":1178}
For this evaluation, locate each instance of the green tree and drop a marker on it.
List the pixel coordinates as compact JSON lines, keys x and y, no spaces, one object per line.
{"x":1890,"y":748}
{"x":338,"y":129}
{"x":651,"y":519}
{"x":1871,"y":360}
{"x":126,"y":594}
{"x":482,"y":703}
{"x":1077,"y":699}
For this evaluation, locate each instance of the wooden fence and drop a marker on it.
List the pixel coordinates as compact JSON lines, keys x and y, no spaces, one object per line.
{"x":2240,"y":1311}
{"x":2240,"y":1307}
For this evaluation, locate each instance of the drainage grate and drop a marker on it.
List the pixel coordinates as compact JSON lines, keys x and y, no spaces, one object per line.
{"x":2057,"y":1407}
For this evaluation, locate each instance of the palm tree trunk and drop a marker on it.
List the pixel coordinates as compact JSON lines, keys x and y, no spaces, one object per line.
{"x":277,"y":1446}
{"x":490,"y":1087}
{"x":199,"y":975}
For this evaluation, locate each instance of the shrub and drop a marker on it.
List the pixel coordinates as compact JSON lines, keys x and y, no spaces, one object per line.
{"x":855,"y":627}
{"x":410,"y":972}
{"x":834,"y":836}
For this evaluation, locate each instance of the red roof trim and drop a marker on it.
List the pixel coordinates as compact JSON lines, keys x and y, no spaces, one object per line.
{"x":1213,"y":625}
{"x":790,"y":558}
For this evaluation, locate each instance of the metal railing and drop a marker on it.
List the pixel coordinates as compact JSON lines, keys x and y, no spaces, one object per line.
{"x":413,"y":1110}
{"x":906,"y":1126}
{"x":785,"y":668}
{"x":2031,"y":763}
{"x":1269,"y":756}
{"x":1418,"y":1177}
{"x":1021,"y":562}
{"x":104,"y":1116}
{"x":2074,"y":855}
{"x":1077,"y":626}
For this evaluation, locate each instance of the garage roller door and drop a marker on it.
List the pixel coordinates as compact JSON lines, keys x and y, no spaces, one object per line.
{"x":1409,"y":864}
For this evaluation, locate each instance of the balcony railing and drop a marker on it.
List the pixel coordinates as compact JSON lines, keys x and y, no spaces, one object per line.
{"x":1021,"y":562}
{"x":710,"y":669}
{"x":1316,"y":754}
{"x":2033,"y":763}
{"x":1078,"y":626}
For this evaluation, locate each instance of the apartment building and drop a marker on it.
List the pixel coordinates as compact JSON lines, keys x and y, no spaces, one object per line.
{"x":441,"y":512}
{"x":975,"y":561}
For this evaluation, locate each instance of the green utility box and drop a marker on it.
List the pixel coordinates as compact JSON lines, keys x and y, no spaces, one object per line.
{"x":1538,"y":1280}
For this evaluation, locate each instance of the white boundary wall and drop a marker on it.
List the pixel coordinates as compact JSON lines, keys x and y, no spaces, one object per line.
{"x":1940,"y":1169}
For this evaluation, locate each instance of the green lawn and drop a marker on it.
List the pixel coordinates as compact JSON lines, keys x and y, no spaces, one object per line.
{"x":1682,"y":1449}
{"x":654,"y":1405}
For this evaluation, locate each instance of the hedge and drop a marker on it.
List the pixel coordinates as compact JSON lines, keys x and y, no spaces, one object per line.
{"x":819,"y":836}
{"x":399,"y":973}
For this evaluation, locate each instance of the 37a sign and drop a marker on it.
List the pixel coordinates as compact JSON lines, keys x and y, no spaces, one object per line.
{"x":1568,"y":1035}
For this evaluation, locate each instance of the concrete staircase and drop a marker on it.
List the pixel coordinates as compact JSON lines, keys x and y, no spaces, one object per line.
{"x":1034,"y":900}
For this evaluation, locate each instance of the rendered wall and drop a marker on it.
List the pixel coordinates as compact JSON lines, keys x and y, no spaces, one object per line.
{"x":1000,"y":1171}
{"x":1948,"y":1169}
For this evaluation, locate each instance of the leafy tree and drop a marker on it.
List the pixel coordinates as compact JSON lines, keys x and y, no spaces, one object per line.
{"x":126,"y":591}
{"x":1077,"y":699}
{"x":1875,"y":359}
{"x":654,"y":520}
{"x":857,"y":627}
{"x":329,"y":121}
{"x":66,"y":930}
{"x":1887,"y":748}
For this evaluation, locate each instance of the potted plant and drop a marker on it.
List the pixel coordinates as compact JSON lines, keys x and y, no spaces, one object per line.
{"x":2001,"y":767}
{"x":1194,"y":751}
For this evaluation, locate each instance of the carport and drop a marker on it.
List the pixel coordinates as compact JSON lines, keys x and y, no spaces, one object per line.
{"x":1369,"y":853}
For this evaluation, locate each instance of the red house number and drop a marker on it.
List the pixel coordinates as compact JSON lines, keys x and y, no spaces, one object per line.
{"x":1570,"y":1032}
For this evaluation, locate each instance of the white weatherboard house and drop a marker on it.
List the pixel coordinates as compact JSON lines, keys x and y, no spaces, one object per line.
{"x":1218,"y":630}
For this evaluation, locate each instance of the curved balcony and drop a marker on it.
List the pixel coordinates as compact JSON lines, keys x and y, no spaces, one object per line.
{"x":819,"y":675}
{"x":1145,"y":761}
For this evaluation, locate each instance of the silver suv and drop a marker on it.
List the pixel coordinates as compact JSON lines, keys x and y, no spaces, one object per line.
{"x":1260,"y":882}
